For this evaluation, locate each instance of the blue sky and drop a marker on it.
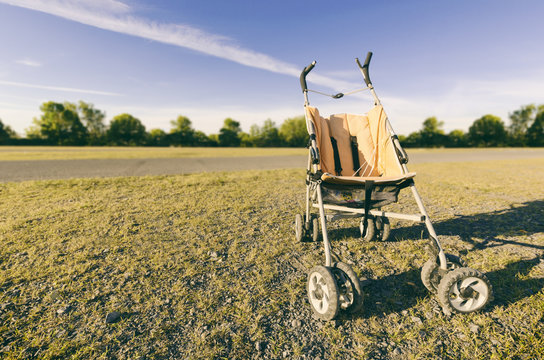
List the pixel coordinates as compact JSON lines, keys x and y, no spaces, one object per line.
{"x":209,"y":60}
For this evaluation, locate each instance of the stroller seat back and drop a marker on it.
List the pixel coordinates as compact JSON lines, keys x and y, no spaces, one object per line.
{"x":355,"y":145}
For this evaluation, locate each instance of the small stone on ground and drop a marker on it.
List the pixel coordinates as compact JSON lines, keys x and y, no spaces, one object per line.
{"x":113,"y":317}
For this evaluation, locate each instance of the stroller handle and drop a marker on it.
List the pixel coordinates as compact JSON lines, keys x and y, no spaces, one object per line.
{"x":303,"y":74}
{"x":364,"y":68}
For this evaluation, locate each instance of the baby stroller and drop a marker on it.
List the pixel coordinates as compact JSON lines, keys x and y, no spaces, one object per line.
{"x":356,"y":166}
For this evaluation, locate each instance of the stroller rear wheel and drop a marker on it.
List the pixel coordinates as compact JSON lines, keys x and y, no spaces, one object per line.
{"x":323,"y":293}
{"x":370,"y":229}
{"x":431,"y":274}
{"x":299,"y":227}
{"x":315,"y":228}
{"x":383,"y":228}
{"x":464,"y":290}
{"x":304,"y":230}
{"x":350,"y":294}
{"x":377,"y":227}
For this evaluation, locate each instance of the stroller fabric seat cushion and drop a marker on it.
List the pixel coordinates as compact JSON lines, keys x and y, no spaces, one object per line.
{"x":345,"y":139}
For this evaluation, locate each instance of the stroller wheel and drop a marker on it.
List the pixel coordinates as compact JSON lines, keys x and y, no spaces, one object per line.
{"x":323,"y":293}
{"x":350,"y":294}
{"x":370,"y":231}
{"x":315,"y":229}
{"x":464,"y":290}
{"x":383,"y":228}
{"x":299,"y":230}
{"x":431,"y":274}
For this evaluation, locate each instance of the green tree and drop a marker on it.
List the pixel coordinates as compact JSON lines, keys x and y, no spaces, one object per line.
{"x":457,"y":138}
{"x":535,"y":134}
{"x":293,"y":132}
{"x":265,"y":136}
{"x":412,"y":140}
{"x":201,"y":139}
{"x":228,"y":135}
{"x":59,"y":125}
{"x":245,"y":140}
{"x":182,"y":132}
{"x":487,"y":131}
{"x":157,"y":137}
{"x":125,"y":129}
{"x":432,"y":135}
{"x":520,"y":122}
{"x":6,"y":133}
{"x":93,"y":119}
{"x":214,"y":138}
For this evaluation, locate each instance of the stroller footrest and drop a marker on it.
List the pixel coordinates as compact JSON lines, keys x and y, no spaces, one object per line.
{"x":377,"y":213}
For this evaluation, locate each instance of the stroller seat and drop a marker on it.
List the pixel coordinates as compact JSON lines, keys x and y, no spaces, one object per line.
{"x":354,"y":149}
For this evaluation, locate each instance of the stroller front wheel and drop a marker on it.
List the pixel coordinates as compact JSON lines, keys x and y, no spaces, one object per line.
{"x":464,"y":290}
{"x":431,"y":274}
{"x":350,"y":292}
{"x":323,"y":293}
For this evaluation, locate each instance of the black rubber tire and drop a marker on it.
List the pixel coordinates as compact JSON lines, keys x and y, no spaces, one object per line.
{"x":370,"y":231}
{"x":299,"y":228}
{"x":383,"y":228}
{"x":464,"y":290}
{"x":430,"y":274}
{"x":322,"y":293}
{"x":315,"y":229}
{"x":350,"y":293}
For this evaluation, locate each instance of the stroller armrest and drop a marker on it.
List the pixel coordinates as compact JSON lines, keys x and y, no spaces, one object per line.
{"x":314,"y":152}
{"x":401,"y":153}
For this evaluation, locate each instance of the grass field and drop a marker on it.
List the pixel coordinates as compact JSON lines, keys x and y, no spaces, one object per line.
{"x":206,"y":266}
{"x":10,"y":153}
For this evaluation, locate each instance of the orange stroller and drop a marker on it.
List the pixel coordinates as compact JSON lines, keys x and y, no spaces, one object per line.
{"x":356,"y":166}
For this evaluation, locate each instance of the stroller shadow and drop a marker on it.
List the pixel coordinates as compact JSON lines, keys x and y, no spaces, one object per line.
{"x":398,"y":292}
{"x":527,"y":219}
{"x":523,"y":220}
{"x":389,"y":294}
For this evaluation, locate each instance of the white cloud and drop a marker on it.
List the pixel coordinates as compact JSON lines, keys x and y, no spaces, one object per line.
{"x":115,"y":16}
{"x":28,"y":62}
{"x":112,"y":6}
{"x":58,"y":88}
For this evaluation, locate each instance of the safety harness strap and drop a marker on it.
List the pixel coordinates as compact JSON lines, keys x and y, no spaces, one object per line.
{"x":337,"y":164}
{"x":355,"y":154}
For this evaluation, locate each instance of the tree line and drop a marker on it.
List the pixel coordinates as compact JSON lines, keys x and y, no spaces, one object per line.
{"x":525,"y":129}
{"x":82,"y":124}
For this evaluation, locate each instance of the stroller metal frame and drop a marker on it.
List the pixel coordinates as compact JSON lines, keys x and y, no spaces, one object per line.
{"x":434,"y":271}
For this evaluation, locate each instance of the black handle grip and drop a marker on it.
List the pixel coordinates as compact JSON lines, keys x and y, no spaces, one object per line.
{"x":401,"y":153}
{"x":303,"y":74}
{"x":364,"y":68}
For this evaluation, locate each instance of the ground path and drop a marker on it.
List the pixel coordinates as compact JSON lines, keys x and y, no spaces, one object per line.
{"x":65,"y":169}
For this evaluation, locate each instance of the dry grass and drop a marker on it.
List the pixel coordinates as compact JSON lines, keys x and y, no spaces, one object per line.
{"x":205,"y":266}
